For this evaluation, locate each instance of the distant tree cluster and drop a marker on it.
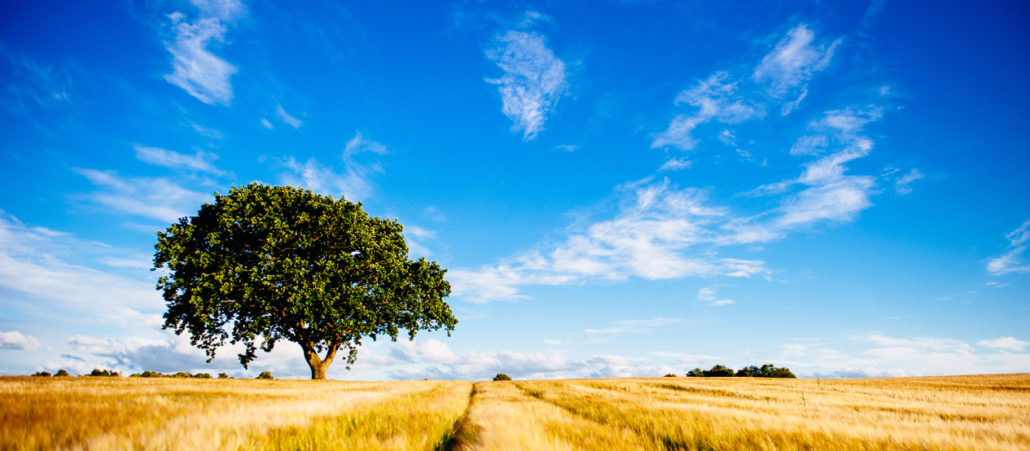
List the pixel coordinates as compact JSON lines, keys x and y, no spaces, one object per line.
{"x":265,"y":375}
{"x":105,"y":373}
{"x":767,"y":370}
{"x":502,"y":377}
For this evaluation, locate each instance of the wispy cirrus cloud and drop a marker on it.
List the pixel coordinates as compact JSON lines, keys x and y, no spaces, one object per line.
{"x":1012,"y":260}
{"x":225,"y":10}
{"x":787,"y":69}
{"x":715,"y":99}
{"x":732,"y":98}
{"x":829,"y":193}
{"x":902,"y":185}
{"x":353,"y":181}
{"x":287,"y":118}
{"x":195,"y":68}
{"x":675,"y":164}
{"x":157,"y":198}
{"x":200,"y":161}
{"x":533,"y":80}
{"x":710,"y":296}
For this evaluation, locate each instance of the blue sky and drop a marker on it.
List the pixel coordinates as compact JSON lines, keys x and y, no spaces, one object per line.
{"x":617,"y":188}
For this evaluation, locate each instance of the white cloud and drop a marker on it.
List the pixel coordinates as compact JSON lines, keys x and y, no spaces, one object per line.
{"x":878,"y":355}
{"x":476,"y":365}
{"x":266,"y":124}
{"x":655,"y":234}
{"x":495,"y":283}
{"x":830,"y":194}
{"x":419,"y":232}
{"x":48,"y":266}
{"x":204,"y":131}
{"x":533,"y":80}
{"x":224,"y":10}
{"x":289,"y":120}
{"x":1012,"y":260}
{"x":715,"y":99}
{"x":1006,"y":343}
{"x":1021,"y":235}
{"x":416,"y":237}
{"x":809,"y":145}
{"x":709,"y":295}
{"x":840,"y":200}
{"x":354,"y":182}
{"x":201,"y":161}
{"x":675,"y":164}
{"x":18,"y":340}
{"x":787,"y":69}
{"x":155,"y":198}
{"x":430,"y":349}
{"x":194,"y":68}
{"x":173,"y":353}
{"x":901,"y":185}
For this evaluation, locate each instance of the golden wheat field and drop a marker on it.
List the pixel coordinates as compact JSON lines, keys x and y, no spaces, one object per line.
{"x":961,"y":412}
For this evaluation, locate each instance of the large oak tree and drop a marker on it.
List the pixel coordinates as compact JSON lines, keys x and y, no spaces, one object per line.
{"x":269,"y":263}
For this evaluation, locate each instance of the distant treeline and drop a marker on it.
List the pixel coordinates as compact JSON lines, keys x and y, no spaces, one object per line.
{"x":180,"y":374}
{"x":767,"y":370}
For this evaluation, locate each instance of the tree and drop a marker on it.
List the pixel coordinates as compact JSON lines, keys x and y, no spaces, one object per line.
{"x":269,"y":263}
{"x":502,"y":377}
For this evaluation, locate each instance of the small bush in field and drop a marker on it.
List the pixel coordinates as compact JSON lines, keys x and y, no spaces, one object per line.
{"x":61,"y":373}
{"x":265,"y":375}
{"x":42,"y":374}
{"x":223,"y":376}
{"x":670,"y":375}
{"x":202,"y":376}
{"x":502,"y":377}
{"x":105,"y":373}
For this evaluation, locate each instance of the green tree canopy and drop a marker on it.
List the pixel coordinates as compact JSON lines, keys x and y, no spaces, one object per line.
{"x":270,"y":263}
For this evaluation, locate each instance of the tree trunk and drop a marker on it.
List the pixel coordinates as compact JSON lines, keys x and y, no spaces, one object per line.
{"x":318,"y":365}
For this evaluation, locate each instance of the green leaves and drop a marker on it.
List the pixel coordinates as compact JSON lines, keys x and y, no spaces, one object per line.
{"x":266,"y":263}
